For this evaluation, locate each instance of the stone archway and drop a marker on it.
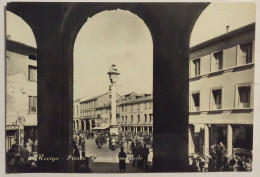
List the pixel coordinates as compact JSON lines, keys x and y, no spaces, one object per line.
{"x":87,"y":125}
{"x":77,"y":124}
{"x":82,"y":125}
{"x":93,"y":123}
{"x":170,"y":25}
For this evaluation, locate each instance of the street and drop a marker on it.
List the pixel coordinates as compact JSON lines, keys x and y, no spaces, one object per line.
{"x":106,"y":160}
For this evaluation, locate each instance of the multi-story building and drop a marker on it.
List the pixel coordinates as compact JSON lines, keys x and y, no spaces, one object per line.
{"x":92,"y":112}
{"x":136,"y":113}
{"x":21,"y":93}
{"x":222,"y":91}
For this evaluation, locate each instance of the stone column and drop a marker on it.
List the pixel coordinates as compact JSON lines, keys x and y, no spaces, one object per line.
{"x":80,"y":126}
{"x":148,"y":129}
{"x":229,"y":140}
{"x":90,"y":125}
{"x":206,"y":139}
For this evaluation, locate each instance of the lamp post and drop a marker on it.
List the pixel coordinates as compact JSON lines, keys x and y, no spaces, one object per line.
{"x":113,"y":76}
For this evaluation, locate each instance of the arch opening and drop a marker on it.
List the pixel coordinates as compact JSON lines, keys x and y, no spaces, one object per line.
{"x":119,"y":39}
{"x":21,"y":83}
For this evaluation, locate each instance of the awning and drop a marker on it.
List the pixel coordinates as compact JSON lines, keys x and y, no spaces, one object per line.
{"x":101,"y":127}
{"x":11,"y":127}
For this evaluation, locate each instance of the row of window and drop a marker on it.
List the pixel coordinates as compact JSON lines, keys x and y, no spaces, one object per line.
{"x":124,"y":118}
{"x":107,"y":121}
{"x":147,"y":105}
{"x":88,"y":113}
{"x":87,"y":105}
{"x":242,"y":100}
{"x":244,"y":57}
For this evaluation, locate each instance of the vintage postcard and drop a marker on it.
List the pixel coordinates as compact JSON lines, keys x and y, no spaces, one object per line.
{"x":129,"y":87}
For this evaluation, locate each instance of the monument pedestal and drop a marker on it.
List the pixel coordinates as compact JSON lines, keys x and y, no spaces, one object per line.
{"x":114,"y":129}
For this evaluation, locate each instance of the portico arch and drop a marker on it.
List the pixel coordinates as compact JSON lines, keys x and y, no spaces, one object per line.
{"x":82,"y":125}
{"x":93,"y":123}
{"x":170,"y":25}
{"x":77,"y":124}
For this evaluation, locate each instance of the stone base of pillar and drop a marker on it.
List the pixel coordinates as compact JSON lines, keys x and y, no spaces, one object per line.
{"x":114,"y":129}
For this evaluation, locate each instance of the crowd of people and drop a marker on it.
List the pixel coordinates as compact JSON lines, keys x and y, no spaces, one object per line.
{"x":20,"y":159}
{"x":81,"y":161}
{"x":137,"y":147}
{"x":219,"y":161}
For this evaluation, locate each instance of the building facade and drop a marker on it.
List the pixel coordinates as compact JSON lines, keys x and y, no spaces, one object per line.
{"x":92,"y":112}
{"x":222,"y":92}
{"x":134,"y":112}
{"x":21,"y":93}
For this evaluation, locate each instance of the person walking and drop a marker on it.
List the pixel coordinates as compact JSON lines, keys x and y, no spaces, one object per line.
{"x":24,"y":154}
{"x":84,"y":167}
{"x":139,"y":155}
{"x":145,"y":156}
{"x":30,"y":144}
{"x":36,"y":145}
{"x":122,"y":157}
{"x":76,"y":155}
{"x":113,"y":141}
{"x":135,"y":153}
{"x":17,"y":164}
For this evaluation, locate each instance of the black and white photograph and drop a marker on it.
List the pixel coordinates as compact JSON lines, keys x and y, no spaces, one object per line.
{"x":129,"y":87}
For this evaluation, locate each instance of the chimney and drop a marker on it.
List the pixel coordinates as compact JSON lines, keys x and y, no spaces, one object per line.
{"x":227,"y":27}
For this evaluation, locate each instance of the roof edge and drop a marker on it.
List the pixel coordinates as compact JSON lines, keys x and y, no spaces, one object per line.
{"x":246,"y":28}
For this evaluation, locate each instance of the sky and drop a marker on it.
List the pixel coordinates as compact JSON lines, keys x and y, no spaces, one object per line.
{"x":120,"y":37}
{"x":113,"y":37}
{"x":18,"y":30}
{"x":214,"y":19}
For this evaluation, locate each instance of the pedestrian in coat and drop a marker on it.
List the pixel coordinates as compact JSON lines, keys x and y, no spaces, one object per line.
{"x":122,"y":158}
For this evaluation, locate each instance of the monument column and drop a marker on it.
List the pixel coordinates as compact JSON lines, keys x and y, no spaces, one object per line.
{"x":113,"y":76}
